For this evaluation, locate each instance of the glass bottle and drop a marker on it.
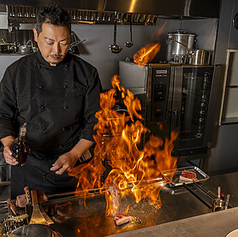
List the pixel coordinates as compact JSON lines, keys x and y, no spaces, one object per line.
{"x":19,"y":147}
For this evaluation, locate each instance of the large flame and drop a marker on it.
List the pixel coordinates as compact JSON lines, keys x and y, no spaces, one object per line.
{"x":146,"y":54}
{"x":132,"y":171}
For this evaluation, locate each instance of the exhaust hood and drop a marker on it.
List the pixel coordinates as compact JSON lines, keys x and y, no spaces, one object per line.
{"x":145,"y":12}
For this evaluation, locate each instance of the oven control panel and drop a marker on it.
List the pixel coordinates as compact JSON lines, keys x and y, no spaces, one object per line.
{"x":159,"y":95}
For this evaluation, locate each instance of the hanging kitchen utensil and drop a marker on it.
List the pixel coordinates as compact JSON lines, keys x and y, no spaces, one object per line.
{"x":114,"y":48}
{"x":130,"y":43}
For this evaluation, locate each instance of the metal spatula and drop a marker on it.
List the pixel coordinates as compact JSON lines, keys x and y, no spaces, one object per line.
{"x":36,"y":217}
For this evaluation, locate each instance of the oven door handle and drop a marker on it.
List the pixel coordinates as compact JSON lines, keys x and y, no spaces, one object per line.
{"x":176,"y":117}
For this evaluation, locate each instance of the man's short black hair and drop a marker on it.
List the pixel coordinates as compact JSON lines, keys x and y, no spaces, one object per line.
{"x":53,"y":15}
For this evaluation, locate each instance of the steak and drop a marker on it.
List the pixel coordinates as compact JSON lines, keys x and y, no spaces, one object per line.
{"x":121,"y":219}
{"x":188,"y":176}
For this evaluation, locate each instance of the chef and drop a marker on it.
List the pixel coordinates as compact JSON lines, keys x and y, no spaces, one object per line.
{"x":57,"y":94}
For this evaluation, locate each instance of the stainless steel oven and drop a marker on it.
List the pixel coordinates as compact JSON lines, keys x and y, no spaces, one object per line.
{"x":178,"y":98}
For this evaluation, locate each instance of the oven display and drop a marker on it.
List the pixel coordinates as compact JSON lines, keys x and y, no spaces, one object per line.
{"x":161,"y":72}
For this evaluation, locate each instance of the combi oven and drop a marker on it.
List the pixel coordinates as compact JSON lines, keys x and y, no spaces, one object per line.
{"x":181,"y":98}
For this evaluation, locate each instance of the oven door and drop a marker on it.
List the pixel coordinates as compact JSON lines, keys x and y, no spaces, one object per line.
{"x":190,"y":103}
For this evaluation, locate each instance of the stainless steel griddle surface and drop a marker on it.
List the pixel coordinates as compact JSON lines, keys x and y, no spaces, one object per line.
{"x":73,"y":219}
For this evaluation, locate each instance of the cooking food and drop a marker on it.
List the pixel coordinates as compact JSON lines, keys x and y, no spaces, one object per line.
{"x":21,"y":200}
{"x":121,"y":219}
{"x":187,"y":176}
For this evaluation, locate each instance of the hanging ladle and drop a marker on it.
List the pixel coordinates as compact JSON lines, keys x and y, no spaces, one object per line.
{"x":129,"y":44}
{"x":114,"y":48}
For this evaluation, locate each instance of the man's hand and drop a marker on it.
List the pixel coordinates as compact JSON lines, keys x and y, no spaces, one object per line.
{"x":7,"y":142}
{"x":64,"y":163}
{"x":68,"y":160}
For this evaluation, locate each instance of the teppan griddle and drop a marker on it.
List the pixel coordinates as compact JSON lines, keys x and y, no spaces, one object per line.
{"x":72,"y":218}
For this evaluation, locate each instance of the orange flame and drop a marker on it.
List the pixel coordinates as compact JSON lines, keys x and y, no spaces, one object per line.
{"x":146,"y":54}
{"x":132,"y":171}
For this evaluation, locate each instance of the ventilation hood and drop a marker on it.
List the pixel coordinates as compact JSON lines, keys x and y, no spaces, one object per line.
{"x":122,"y":11}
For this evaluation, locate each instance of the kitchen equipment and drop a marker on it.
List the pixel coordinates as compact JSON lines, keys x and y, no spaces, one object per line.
{"x":218,"y":205}
{"x":200,"y":175}
{"x":130,"y":43}
{"x":26,"y":48}
{"x":34,"y":49}
{"x":37,"y":217}
{"x":7,"y":47}
{"x":12,"y":222}
{"x":181,"y":98}
{"x":227,"y":201}
{"x":12,"y":207}
{"x":73,"y":47}
{"x":47,"y":218}
{"x":178,"y":44}
{"x":114,"y":48}
{"x":219,"y":192}
{"x":38,"y":230}
{"x":3,"y":207}
{"x":200,"y":57}
{"x":28,"y":208}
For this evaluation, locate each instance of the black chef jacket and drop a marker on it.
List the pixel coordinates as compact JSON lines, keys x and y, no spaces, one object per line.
{"x":58,"y":103}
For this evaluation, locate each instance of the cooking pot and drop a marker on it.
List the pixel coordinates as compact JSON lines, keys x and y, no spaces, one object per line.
{"x":38,"y":230}
{"x":26,"y":48}
{"x":179,"y":44}
{"x":7,"y":47}
{"x":200,"y":57}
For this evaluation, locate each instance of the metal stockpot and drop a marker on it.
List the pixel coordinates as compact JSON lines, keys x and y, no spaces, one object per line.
{"x":200,"y":57}
{"x":179,"y":44}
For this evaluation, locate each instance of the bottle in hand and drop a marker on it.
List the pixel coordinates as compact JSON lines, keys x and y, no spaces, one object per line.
{"x":19,"y":147}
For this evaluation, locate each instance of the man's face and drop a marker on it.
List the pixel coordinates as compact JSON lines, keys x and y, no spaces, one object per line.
{"x":53,"y":42}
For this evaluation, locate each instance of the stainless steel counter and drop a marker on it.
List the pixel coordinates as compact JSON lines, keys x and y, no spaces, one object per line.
{"x":218,"y":224}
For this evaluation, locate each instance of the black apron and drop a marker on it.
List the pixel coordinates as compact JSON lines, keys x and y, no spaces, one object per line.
{"x":31,"y":175}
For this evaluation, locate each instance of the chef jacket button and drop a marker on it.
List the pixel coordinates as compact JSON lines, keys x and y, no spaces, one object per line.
{"x":40,"y":87}
{"x":65,"y":65}
{"x":42,"y":107}
{"x":62,"y":129}
{"x":60,"y":146}
{"x":39,"y":66}
{"x":65,"y":107}
{"x":65,"y":86}
{"x":43,"y":128}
